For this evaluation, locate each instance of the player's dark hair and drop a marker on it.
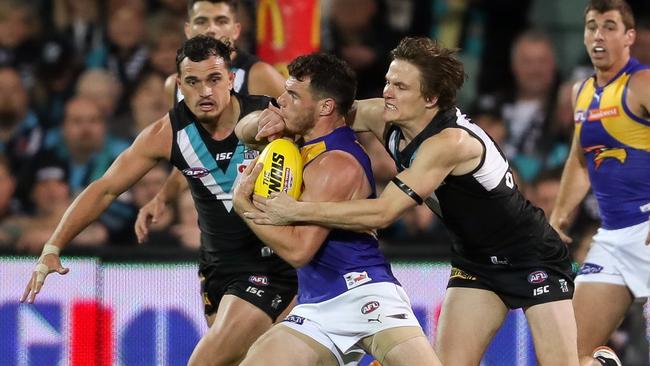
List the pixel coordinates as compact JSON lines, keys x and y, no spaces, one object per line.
{"x":233,"y":4}
{"x":603,"y":6}
{"x":200,"y":48}
{"x":329,"y":77}
{"x":441,"y":73}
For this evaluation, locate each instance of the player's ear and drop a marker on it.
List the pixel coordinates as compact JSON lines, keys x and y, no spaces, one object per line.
{"x":326,"y":107}
{"x":186,"y":29}
{"x":237,"y":31}
{"x":630,"y":37}
{"x":431,"y":102}
{"x":231,"y":80}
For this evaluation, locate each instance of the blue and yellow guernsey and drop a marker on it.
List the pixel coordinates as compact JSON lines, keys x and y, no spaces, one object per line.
{"x":346,"y":259}
{"x":616,"y":146}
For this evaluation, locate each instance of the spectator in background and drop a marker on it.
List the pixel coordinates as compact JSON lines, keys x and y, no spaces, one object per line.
{"x":124,"y":52}
{"x":8,"y":205}
{"x":83,"y":145}
{"x":106,"y":91}
{"x":163,"y":39}
{"x":20,"y":133}
{"x":19,"y":45}
{"x":544,"y":189}
{"x":528,"y":108}
{"x":80,"y":23}
{"x":504,"y":20}
{"x":362,"y":37}
{"x":50,"y":196}
{"x":148,"y":102}
{"x":56,"y":77}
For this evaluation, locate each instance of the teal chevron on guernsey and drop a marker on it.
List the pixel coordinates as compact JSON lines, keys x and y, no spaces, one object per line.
{"x":196,"y":154}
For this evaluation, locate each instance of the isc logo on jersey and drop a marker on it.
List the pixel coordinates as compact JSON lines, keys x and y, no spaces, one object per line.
{"x":282,"y":169}
{"x":223,"y":156}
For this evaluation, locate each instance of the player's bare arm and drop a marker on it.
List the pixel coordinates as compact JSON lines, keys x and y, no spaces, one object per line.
{"x":432,"y":164}
{"x":170,"y":89}
{"x":334,"y":176}
{"x":264,"y":79}
{"x":574,"y":184}
{"x":366,"y":115}
{"x":257,"y":128}
{"x":639,"y":97}
{"x":151,"y":145}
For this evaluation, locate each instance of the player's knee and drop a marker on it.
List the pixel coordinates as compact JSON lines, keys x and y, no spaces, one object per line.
{"x":215,"y":350}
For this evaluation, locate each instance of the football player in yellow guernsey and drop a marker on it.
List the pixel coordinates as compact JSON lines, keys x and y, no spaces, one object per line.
{"x":610,"y":154}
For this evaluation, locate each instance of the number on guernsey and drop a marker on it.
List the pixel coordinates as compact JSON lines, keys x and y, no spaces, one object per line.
{"x":510,"y":181}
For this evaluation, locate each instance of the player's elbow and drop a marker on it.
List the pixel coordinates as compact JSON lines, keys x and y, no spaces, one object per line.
{"x":298,"y":258}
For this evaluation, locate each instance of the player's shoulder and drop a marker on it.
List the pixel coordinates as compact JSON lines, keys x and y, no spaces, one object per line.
{"x":640,"y":80}
{"x":335,"y":163}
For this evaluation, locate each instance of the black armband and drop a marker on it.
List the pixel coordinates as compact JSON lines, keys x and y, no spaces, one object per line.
{"x":406,"y":189}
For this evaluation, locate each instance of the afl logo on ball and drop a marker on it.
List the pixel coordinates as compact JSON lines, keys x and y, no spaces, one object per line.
{"x":370,"y":307}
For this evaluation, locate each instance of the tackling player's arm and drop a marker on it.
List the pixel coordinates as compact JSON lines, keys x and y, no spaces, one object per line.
{"x":574,"y":184}
{"x":432,"y":164}
{"x":334,"y":176}
{"x":366,"y":116}
{"x":151,"y":145}
{"x":264,"y":79}
{"x":257,"y":128}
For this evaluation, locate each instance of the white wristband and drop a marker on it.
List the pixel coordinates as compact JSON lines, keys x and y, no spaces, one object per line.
{"x":49,"y":249}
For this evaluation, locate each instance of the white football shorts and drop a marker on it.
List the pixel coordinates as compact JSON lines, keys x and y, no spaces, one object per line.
{"x":619,"y":257}
{"x":339,"y":323}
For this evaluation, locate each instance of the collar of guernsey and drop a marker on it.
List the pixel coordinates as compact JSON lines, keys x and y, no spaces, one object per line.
{"x":616,"y":147}
{"x":346,"y":259}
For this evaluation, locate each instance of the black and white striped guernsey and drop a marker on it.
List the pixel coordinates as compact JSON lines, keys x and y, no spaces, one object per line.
{"x":483,"y":209}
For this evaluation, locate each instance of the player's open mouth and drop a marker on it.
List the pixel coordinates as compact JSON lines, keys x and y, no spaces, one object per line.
{"x":389,"y":107}
{"x":206,"y":105}
{"x":598,"y":50}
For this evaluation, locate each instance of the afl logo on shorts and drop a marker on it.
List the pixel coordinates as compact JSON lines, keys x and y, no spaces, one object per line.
{"x":370,"y":307}
{"x":537,"y":277}
{"x":196,"y":172}
{"x":259,"y":280}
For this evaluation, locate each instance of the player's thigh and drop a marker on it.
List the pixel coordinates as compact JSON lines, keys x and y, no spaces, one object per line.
{"x":237,"y":324}
{"x":400,"y":346}
{"x":282,"y":346}
{"x":553,"y":328}
{"x":599,"y":308}
{"x":470,"y":317}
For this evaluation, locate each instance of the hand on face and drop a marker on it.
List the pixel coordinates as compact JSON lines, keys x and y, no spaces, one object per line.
{"x":271,"y":124}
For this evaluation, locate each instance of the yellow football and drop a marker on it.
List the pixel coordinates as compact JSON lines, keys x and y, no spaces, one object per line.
{"x":282,"y":171}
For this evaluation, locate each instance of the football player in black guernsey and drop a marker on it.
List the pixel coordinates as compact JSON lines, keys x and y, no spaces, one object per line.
{"x":245,"y":287}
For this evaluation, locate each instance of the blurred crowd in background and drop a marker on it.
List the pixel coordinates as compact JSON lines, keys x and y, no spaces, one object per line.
{"x":80,"y":79}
